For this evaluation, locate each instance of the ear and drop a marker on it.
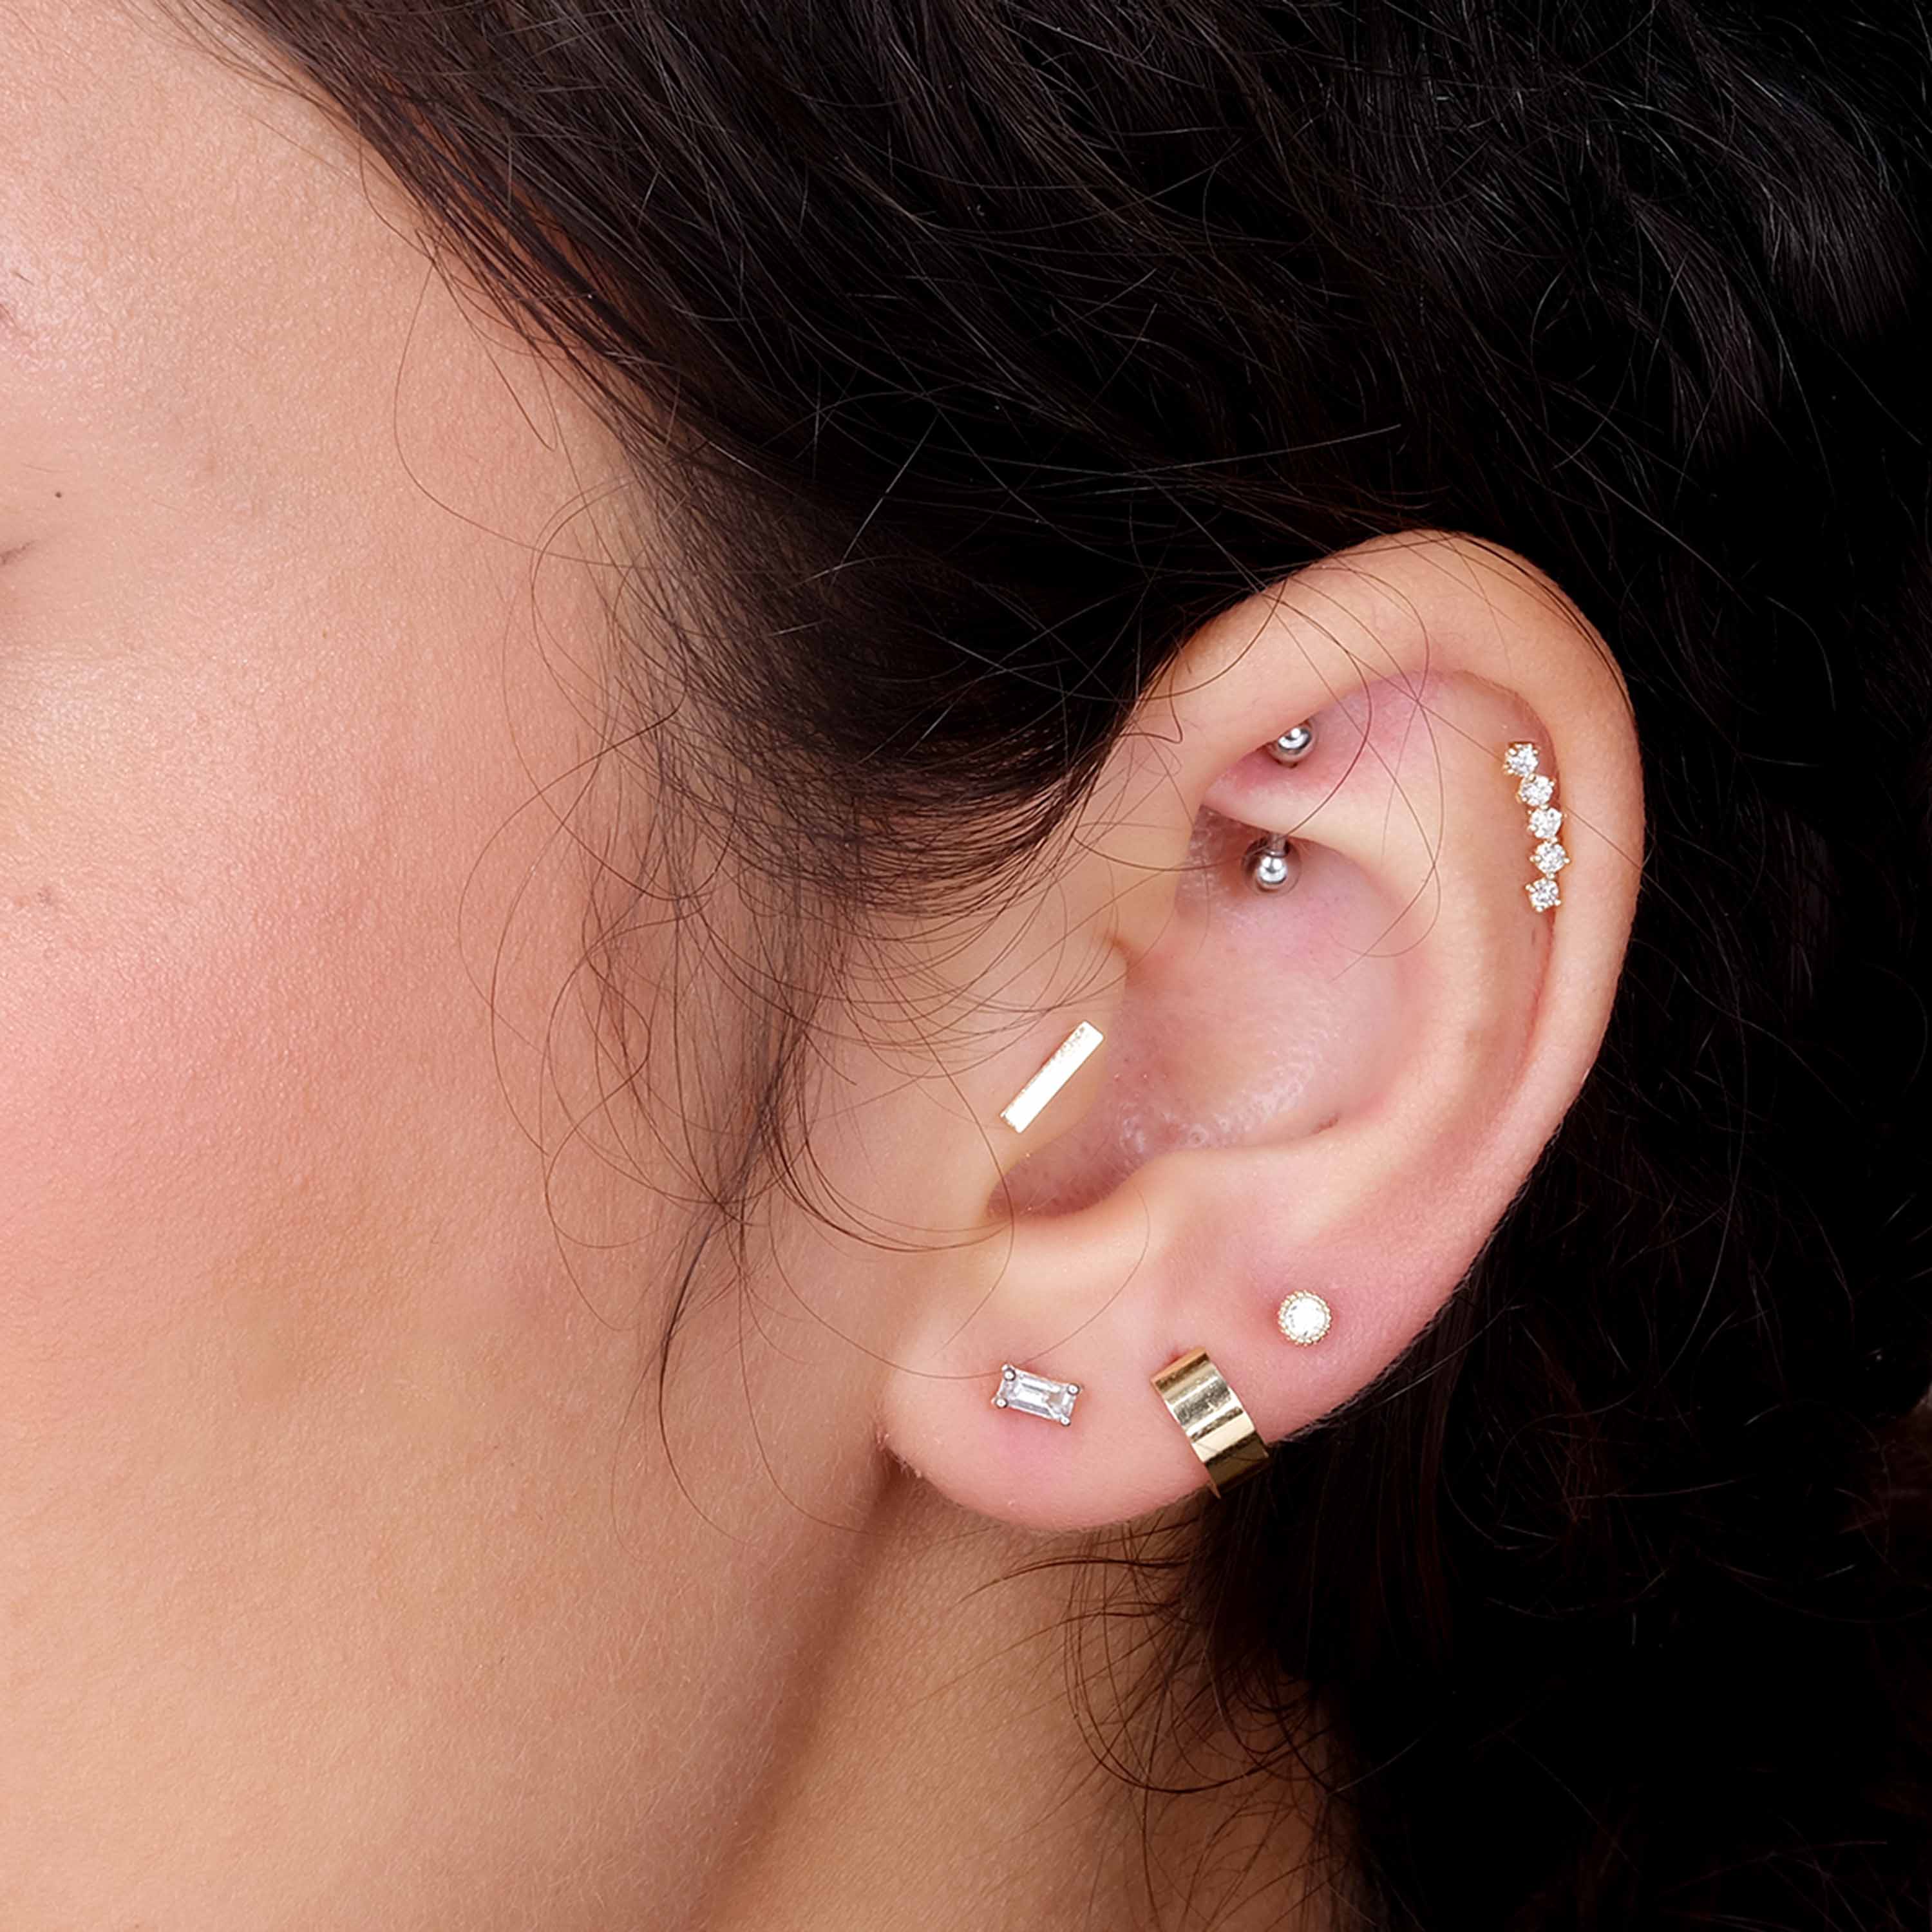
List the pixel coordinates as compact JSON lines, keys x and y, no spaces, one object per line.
{"x":1338,"y":1086}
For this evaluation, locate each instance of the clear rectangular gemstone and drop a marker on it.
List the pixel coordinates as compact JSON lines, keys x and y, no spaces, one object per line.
{"x":1036,"y":1395}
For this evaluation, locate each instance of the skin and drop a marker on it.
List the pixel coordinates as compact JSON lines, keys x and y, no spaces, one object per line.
{"x":356,"y":1568}
{"x":345,"y":1579}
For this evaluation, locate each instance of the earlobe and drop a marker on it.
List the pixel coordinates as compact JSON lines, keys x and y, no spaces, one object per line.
{"x":1310,"y":1106}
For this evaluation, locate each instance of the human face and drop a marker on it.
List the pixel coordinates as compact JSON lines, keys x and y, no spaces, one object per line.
{"x":327,"y":1588}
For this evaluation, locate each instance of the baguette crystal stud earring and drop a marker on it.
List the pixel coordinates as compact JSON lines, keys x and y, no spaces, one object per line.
{"x":1303,"y":1317}
{"x":1065,"y":1060}
{"x":1271,"y":863}
{"x":1036,"y":1395}
{"x":1218,"y":1428}
{"x":1293,"y":745}
{"x":1537,"y":790}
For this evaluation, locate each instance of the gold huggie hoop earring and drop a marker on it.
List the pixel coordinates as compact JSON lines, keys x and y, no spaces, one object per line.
{"x":1212,"y":1418}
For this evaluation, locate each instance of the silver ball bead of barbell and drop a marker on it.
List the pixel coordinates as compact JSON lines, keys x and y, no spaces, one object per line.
{"x":1272,"y":862}
{"x":1293,"y":745}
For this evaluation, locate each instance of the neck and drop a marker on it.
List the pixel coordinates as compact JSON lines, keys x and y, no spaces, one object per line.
{"x":946,"y":1756}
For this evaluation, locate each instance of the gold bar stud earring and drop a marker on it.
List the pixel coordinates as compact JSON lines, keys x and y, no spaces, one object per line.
{"x":1068,"y":1057}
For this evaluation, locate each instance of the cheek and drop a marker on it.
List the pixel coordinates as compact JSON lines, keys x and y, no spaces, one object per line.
{"x":247,"y":1095}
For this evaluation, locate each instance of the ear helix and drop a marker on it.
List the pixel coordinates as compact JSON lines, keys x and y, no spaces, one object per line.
{"x":1294,"y":744}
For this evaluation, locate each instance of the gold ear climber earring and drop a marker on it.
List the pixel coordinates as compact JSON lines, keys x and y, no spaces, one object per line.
{"x":1537,"y":790}
{"x":1217,"y":1427}
{"x":1067,"y":1058}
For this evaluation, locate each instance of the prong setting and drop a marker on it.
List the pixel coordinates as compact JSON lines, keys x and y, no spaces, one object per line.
{"x":1036,"y":1395}
{"x":1537,"y":789}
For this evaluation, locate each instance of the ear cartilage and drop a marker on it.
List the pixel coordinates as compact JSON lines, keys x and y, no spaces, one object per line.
{"x":1210,"y":1415}
{"x":1537,"y":790}
{"x":1068,"y":1057}
{"x":1271,"y":862}
{"x":1304,"y":1318}
{"x":1036,"y":1395}
{"x":1294,"y":745}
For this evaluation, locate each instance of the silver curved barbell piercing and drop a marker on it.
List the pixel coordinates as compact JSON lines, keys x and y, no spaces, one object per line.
{"x":1271,"y":862}
{"x":1036,"y":1395}
{"x":1293,"y":745}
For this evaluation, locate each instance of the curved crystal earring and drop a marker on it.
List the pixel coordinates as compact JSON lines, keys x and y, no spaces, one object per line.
{"x":1271,"y":862}
{"x":1536,"y":789}
{"x":1294,"y":745}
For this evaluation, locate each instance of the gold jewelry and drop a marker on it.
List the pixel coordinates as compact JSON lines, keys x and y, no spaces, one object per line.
{"x":1036,"y":1395}
{"x":1537,"y":789}
{"x":1212,"y":1418}
{"x":1303,"y":1317}
{"x":1067,"y":1058}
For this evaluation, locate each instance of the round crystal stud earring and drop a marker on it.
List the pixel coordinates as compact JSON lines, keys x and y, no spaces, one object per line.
{"x":1303,"y":1317}
{"x":1272,"y":863}
{"x":1293,"y":745}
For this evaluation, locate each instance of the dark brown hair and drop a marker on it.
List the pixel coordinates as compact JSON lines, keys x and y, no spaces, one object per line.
{"x":979,"y":352}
